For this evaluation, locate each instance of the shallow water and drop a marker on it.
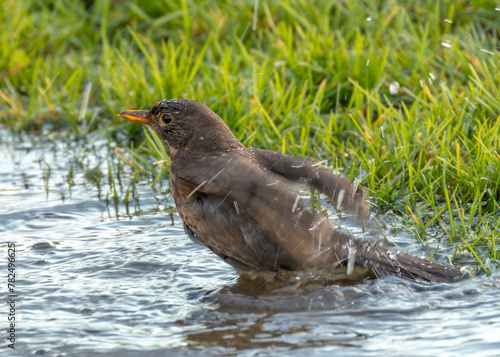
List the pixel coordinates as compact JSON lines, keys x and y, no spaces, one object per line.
{"x":98,"y":278}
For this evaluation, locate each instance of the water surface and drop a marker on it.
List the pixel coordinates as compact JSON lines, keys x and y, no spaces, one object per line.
{"x":98,"y":277}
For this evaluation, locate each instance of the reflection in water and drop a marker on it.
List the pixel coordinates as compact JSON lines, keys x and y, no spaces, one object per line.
{"x":385,"y":316}
{"x":96,"y":278}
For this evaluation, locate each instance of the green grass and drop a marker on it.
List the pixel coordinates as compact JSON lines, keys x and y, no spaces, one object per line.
{"x":312,"y":80}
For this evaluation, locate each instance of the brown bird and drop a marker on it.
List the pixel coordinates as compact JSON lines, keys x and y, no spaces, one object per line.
{"x":234,"y":200}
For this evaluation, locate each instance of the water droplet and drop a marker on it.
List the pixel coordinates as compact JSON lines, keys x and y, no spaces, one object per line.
{"x":368,"y":19}
{"x":351,"y":259}
{"x":446,"y":44}
{"x":488,"y":52}
{"x":297,"y":198}
{"x":340,"y":199}
{"x":394,"y":88}
{"x":201,"y":138}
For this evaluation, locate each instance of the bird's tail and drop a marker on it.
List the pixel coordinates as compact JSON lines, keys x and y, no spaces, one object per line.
{"x":384,"y":261}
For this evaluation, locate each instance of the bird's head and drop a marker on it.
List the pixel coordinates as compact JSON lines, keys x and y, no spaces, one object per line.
{"x":185,"y":123}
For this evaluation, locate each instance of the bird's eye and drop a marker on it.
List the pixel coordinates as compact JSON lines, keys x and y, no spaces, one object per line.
{"x":166,"y":118}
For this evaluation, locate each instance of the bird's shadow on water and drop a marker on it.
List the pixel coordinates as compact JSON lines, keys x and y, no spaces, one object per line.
{"x":287,"y":312}
{"x":318,"y":309}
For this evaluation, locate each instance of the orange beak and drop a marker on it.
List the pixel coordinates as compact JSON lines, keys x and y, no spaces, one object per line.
{"x":140,"y":116}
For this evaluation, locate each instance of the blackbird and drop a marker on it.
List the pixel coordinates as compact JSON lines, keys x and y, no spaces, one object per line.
{"x":236,"y":202}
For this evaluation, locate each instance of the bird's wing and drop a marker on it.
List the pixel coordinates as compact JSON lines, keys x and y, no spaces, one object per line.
{"x":341,"y":192}
{"x":301,"y":236}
